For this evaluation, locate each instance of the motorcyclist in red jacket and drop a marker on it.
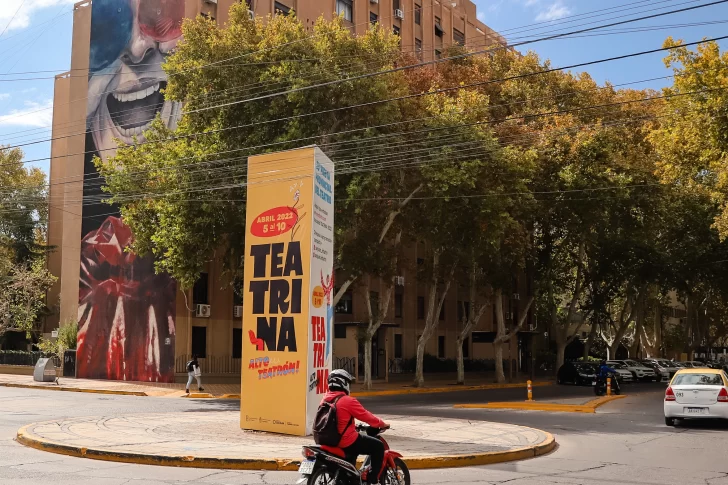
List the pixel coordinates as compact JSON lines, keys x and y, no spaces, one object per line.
{"x":349,"y":409}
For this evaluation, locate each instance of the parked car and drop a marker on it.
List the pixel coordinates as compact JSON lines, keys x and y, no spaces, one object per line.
{"x":660,"y":370}
{"x":696,"y":393}
{"x":694,"y":364}
{"x":667,"y":365}
{"x":639,"y":371}
{"x":623,"y":374}
{"x":577,"y":373}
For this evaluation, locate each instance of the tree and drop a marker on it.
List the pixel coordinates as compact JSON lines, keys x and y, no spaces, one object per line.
{"x":183,"y":192}
{"x":23,"y":225}
{"x":23,"y":297}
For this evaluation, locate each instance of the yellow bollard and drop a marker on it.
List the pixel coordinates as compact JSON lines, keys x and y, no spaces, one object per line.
{"x":530,"y":391}
{"x":609,"y":386}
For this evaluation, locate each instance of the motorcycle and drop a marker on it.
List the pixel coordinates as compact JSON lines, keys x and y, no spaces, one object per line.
{"x":600,"y":385}
{"x":326,"y":465}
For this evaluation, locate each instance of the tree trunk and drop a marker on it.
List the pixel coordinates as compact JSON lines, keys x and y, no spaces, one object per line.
{"x":560,"y":353}
{"x":500,"y":376}
{"x":461,"y":362}
{"x":589,"y":341}
{"x":419,"y":373}
{"x":368,"y":361}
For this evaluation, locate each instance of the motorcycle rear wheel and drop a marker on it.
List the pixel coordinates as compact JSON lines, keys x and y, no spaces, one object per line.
{"x":322,"y":476}
{"x":399,"y":475}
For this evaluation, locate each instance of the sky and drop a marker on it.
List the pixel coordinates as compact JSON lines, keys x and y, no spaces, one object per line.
{"x":35,"y":35}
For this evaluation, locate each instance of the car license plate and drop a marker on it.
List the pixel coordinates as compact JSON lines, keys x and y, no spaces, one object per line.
{"x":306,"y":467}
{"x":594,"y":383}
{"x":696,"y":410}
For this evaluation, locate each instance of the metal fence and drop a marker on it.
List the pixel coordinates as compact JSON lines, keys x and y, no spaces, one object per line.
{"x":346,"y":363}
{"x":212,"y":364}
{"x":19,"y":357}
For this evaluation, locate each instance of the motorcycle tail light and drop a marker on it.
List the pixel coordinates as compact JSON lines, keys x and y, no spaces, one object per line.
{"x":308,"y":453}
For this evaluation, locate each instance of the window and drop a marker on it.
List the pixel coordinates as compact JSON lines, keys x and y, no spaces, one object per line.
{"x":374,"y":302}
{"x":418,"y":14}
{"x":420,"y":262}
{"x":442,"y":312}
{"x":200,"y":293}
{"x":466,"y":348}
{"x":441,"y":347}
{"x":281,"y":9}
{"x":438,"y":54}
{"x":397,"y":345}
{"x":438,"y":27}
{"x":237,"y":343}
{"x":483,"y":337}
{"x":373,"y":18}
{"x":344,"y":8}
{"x":339,"y":331}
{"x":199,"y":342}
{"x":420,"y":308}
{"x":418,"y":48}
{"x":398,"y":305}
{"x":397,"y":4}
{"x":458,"y":37}
{"x":345,"y":304}
{"x":395,"y":30}
{"x":238,"y":292}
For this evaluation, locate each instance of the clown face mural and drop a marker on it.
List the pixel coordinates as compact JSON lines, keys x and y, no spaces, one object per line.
{"x":129,"y":39}
{"x":126,"y":311}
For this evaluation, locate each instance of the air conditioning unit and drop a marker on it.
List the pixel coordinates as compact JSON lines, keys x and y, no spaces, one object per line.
{"x":374,"y":1}
{"x":202,"y":311}
{"x":532,"y":327}
{"x":516,"y":296}
{"x":211,"y":1}
{"x":238,"y":311}
{"x":399,"y":280}
{"x":509,"y":316}
{"x":251,"y":14}
{"x":399,"y":14}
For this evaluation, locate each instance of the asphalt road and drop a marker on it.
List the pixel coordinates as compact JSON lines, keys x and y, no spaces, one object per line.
{"x":625,"y":443}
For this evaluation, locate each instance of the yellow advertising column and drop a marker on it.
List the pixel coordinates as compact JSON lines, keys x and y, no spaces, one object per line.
{"x":288,"y":290}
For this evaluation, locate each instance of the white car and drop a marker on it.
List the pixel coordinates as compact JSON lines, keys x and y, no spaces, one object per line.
{"x":697,"y":393}
{"x":622,"y":372}
{"x":639,"y":371}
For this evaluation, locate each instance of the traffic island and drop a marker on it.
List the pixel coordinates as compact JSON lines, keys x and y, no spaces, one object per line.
{"x":214,"y":440}
{"x":589,"y":407}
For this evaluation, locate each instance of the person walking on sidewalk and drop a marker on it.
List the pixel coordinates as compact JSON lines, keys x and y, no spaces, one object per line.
{"x":194,"y":372}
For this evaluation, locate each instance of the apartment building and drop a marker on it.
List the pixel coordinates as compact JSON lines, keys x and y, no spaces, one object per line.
{"x":136,"y":325}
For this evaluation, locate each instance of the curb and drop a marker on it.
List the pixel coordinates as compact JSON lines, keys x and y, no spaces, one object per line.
{"x":454,"y":388}
{"x":25,"y":437}
{"x":76,"y":389}
{"x":394,"y":392}
{"x":588,"y":408}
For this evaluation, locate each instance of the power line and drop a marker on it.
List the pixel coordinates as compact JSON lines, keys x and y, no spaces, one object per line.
{"x":520,"y":76}
{"x":485,"y":39}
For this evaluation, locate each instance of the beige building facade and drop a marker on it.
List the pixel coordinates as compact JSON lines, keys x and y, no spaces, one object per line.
{"x":136,"y":325}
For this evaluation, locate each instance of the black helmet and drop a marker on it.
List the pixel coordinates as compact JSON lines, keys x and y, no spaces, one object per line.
{"x":339,"y":380}
{"x":603,"y":362}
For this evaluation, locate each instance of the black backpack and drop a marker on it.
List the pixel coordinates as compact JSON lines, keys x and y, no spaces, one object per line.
{"x":190,"y":366}
{"x":325,"y":427}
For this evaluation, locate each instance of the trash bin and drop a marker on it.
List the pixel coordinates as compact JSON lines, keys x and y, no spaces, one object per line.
{"x":69,"y":363}
{"x":45,"y":370}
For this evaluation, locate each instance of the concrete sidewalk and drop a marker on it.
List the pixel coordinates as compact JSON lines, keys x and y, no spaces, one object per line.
{"x":214,"y":439}
{"x":437,"y":384}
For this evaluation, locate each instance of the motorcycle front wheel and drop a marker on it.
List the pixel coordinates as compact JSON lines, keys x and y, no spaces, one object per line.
{"x":400,"y":475}
{"x":322,"y":476}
